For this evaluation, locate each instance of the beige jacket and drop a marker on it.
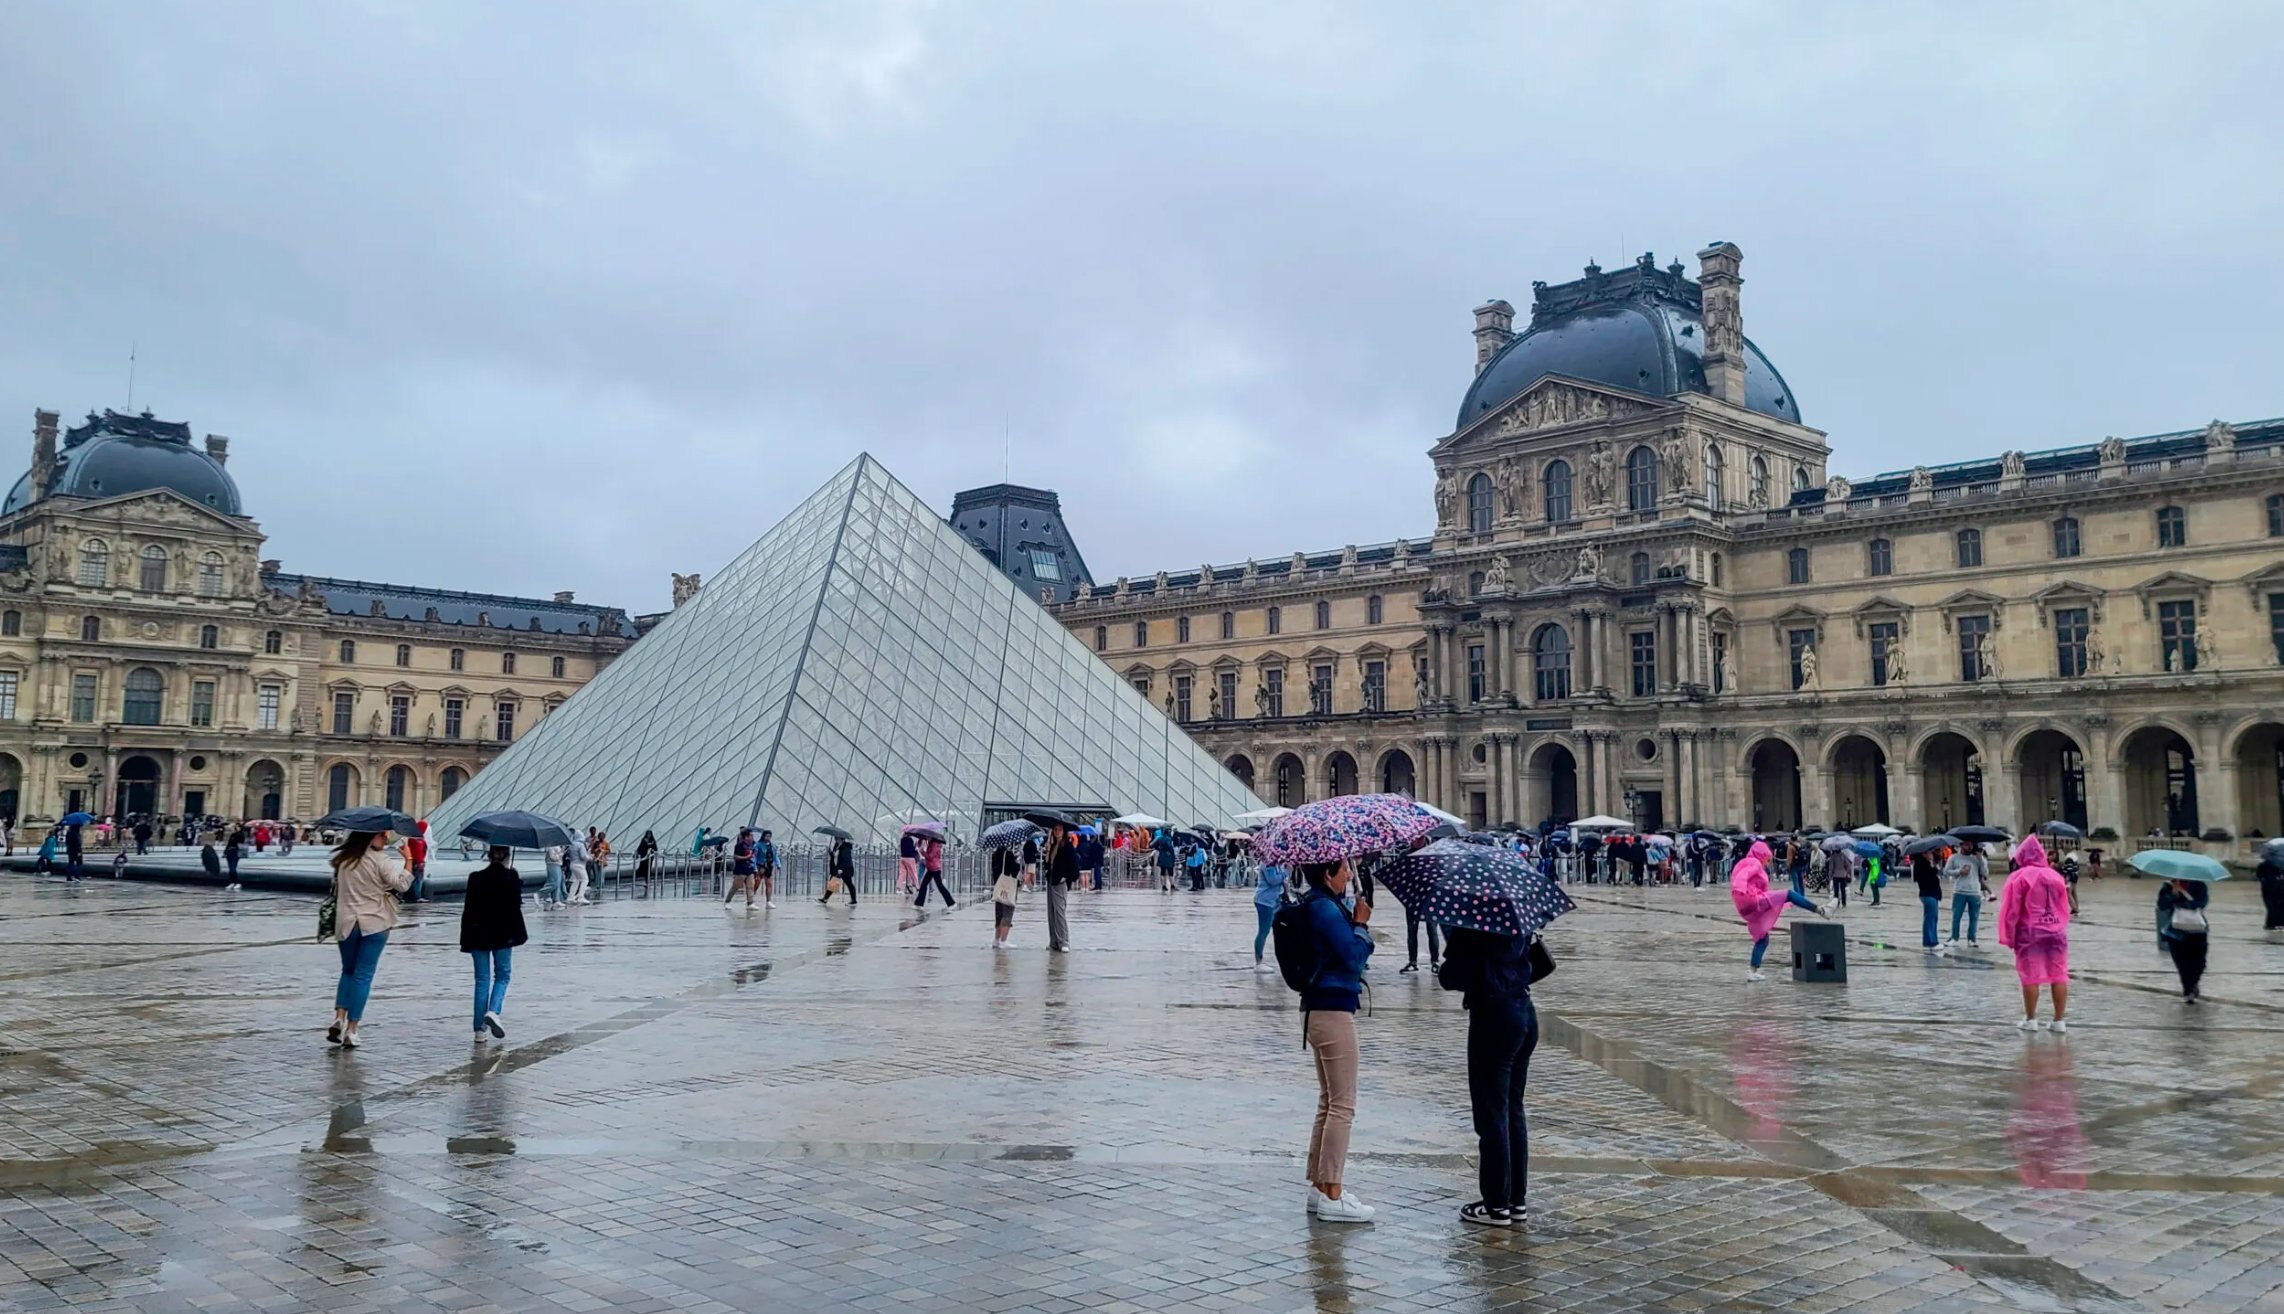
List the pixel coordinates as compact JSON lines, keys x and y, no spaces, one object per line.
{"x":363,"y":890}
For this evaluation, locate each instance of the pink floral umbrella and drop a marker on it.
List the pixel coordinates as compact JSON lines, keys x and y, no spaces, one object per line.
{"x":1331,"y":829}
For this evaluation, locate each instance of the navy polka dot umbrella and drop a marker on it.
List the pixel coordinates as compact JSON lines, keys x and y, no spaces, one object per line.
{"x":1452,"y":883}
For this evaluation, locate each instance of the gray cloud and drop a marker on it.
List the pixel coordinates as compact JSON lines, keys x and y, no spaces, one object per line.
{"x":531,"y":296}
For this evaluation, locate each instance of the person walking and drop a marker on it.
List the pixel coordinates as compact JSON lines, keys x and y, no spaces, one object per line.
{"x":1006,"y":889}
{"x":287,"y":834}
{"x":491,"y":926}
{"x":932,"y":873}
{"x":551,"y":896}
{"x":1090,"y":858}
{"x":1340,"y":946}
{"x":1759,"y":905}
{"x":142,"y":836}
{"x":1062,"y":872}
{"x":1412,"y":922}
{"x":2185,"y":932}
{"x":2034,"y":921}
{"x":74,"y":853}
{"x":1840,"y":873}
{"x":907,"y":864}
{"x":1268,"y":896}
{"x":1162,"y":847}
{"x":2271,"y":876}
{"x":1927,"y":875}
{"x":234,"y":850}
{"x":367,"y":878}
{"x":416,"y":856}
{"x":741,"y":867}
{"x":1796,"y":863}
{"x":1493,"y":975}
{"x":765,"y":869}
{"x":1970,"y":876}
{"x":645,"y":856}
{"x":1195,"y":862}
{"x":840,"y":864}
{"x":575,"y":869}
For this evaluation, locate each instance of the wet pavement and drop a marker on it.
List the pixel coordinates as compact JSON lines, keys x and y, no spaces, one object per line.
{"x":707,"y":1109}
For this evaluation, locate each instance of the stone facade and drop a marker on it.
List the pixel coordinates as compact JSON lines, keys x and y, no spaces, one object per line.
{"x":1666,"y":607}
{"x":152,"y":661}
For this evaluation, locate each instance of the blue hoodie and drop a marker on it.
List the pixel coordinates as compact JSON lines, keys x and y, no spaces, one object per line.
{"x":1342,"y":949}
{"x":1271,"y":891}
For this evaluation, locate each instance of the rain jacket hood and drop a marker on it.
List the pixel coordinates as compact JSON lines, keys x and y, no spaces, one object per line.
{"x":1749,"y":891}
{"x":2034,"y":901}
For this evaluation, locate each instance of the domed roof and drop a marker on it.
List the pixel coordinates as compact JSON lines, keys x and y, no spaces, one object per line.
{"x":114,"y":454}
{"x":1637,"y":329}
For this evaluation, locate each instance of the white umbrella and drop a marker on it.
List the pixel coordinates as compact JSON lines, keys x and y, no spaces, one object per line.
{"x":1601,"y":823}
{"x":1446,"y":818}
{"x":1875,"y":831}
{"x":1138,"y":819}
{"x":1263,"y":814}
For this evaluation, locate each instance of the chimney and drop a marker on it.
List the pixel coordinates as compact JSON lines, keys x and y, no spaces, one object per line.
{"x":43,"y":452}
{"x":1494,"y":328}
{"x":218,"y":447}
{"x":1724,"y":322}
{"x":272,"y":565}
{"x":563,"y":595}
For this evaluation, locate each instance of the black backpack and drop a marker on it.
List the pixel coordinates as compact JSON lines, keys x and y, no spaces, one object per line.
{"x":1295,"y":942}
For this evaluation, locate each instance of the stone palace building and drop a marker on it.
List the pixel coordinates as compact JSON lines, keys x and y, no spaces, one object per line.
{"x":1646,"y":594}
{"x":151,"y":662}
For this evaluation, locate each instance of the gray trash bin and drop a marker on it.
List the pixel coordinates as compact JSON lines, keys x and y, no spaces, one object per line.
{"x":1819,"y":951}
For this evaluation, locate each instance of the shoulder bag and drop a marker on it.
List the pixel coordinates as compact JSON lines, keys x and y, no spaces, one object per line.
{"x":2190,"y":921}
{"x":329,"y":911}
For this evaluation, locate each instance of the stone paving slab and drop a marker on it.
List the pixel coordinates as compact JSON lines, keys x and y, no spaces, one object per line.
{"x":867,"y":1109}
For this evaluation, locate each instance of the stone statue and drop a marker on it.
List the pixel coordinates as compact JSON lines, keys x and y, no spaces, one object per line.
{"x":1420,"y":685}
{"x":1589,"y":562}
{"x":1808,"y":668}
{"x":376,"y":722}
{"x":2219,"y":438}
{"x":294,"y":722}
{"x":1922,"y":479}
{"x":685,"y":587}
{"x":1497,"y":577}
{"x":1601,"y":470}
{"x":1213,"y":703}
{"x":2010,"y":465}
{"x":2096,"y":656}
{"x":2112,"y":450}
{"x":1986,"y":655}
{"x":432,"y":725}
{"x":1446,"y":497}
{"x":1837,"y":490}
{"x":1260,"y":700}
{"x":1252,"y":571}
{"x":1169,"y":704}
{"x":1674,"y":456}
{"x":1514,"y":487}
{"x":1725,"y":673}
{"x":2208,"y":653}
{"x":1898,"y":670}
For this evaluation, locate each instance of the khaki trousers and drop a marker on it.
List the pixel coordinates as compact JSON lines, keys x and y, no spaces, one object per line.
{"x":1332,"y":1039}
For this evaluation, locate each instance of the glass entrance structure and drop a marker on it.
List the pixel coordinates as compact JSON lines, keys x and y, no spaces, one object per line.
{"x":858,"y":663}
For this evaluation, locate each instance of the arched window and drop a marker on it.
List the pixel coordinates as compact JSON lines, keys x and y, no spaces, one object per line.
{"x":90,"y":629}
{"x":1479,"y":494}
{"x":1759,"y":474}
{"x":1796,"y":566}
{"x":1641,"y":479}
{"x":145,"y":697}
{"x":273,"y":642}
{"x":1641,"y":569}
{"x":507,"y":663}
{"x":399,"y":784}
{"x":153,"y":576}
{"x":1374,"y":611}
{"x":1141,"y":634}
{"x":1800,"y":479}
{"x":2066,"y":542}
{"x":337,"y":784}
{"x":94,"y":564}
{"x":1882,"y":554}
{"x":11,"y":623}
{"x":1276,"y":620}
{"x":555,"y":667}
{"x":2172,"y":527}
{"x":449,"y":783}
{"x":1323,"y":615}
{"x":210,"y":575}
{"x":348,"y":651}
{"x":458,"y":658}
{"x":209,"y":636}
{"x":404,"y":654}
{"x":1550,"y":663}
{"x":1557,"y":482}
{"x":1714,"y":473}
{"x":2275,"y":505}
{"x":1969,"y":547}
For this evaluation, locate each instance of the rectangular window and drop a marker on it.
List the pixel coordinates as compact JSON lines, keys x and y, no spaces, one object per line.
{"x":1375,"y":686}
{"x":2177,"y":633}
{"x":504,"y":722}
{"x":266,"y":700}
{"x":2066,"y":537}
{"x":1181,"y":698}
{"x":507,"y":663}
{"x":1720,"y":662}
{"x":1181,"y":629}
{"x":1974,"y":642}
{"x":2070,"y":630}
{"x":1797,"y":642}
{"x":1884,"y":636}
{"x":344,"y":712}
{"x":1796,"y":566}
{"x":1141,"y":634}
{"x":459,"y":658}
{"x":1229,"y":625}
{"x":2276,"y":625}
{"x":1320,"y":690}
{"x":202,"y":702}
{"x":455,"y":709}
{"x":2172,"y":527}
{"x":1101,"y":638}
{"x":1642,"y":646}
{"x":400,"y":714}
{"x":1228,"y":686}
{"x":1044,"y":566}
{"x":1276,"y":620}
{"x":82,"y":697}
{"x":1475,"y":671}
{"x":1273,"y":680}
{"x":8,"y":695}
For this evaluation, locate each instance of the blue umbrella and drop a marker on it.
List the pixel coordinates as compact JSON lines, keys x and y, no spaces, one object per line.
{"x":1009,"y":835}
{"x":2176,"y":865}
{"x":76,"y":819}
{"x":518,"y":830}
{"x":1452,"y":883}
{"x":370,"y":820}
{"x":1867,"y":849}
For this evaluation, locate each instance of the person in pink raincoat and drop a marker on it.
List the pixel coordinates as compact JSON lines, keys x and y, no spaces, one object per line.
{"x":2034,"y":921}
{"x":1759,"y":905}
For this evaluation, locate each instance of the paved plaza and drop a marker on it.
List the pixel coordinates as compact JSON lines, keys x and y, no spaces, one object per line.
{"x":702,"y":1109}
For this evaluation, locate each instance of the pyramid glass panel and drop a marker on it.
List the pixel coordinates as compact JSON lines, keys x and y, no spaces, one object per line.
{"x":857,"y":663}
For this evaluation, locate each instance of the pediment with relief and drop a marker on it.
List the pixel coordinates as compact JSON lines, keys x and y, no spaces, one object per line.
{"x":1556,"y":402}
{"x":162,"y":506}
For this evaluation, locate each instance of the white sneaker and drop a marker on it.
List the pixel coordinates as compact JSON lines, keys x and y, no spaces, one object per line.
{"x":2026,"y":1025}
{"x":2042,"y":1024}
{"x":233,"y":886}
{"x":771,"y":903}
{"x":2060,"y":1026}
{"x":1347,"y":1209}
{"x":1756,"y":976}
{"x":1263,"y":968}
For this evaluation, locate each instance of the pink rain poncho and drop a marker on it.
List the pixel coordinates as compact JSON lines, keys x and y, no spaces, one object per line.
{"x":2034,"y":917}
{"x":1749,"y":890}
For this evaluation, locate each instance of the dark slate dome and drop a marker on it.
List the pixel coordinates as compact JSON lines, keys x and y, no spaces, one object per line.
{"x":1637,"y":329}
{"x":114,"y":454}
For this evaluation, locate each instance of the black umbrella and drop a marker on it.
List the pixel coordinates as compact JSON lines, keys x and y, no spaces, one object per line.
{"x":1009,"y":835}
{"x":1049,"y":817}
{"x":370,"y":820}
{"x":1981,"y":834}
{"x":834,"y":831}
{"x":1452,"y":883}
{"x":2060,"y":829}
{"x":1928,"y":844}
{"x":518,"y":830}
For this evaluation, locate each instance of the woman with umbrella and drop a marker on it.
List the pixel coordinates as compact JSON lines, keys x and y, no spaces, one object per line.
{"x":491,"y":927}
{"x":367,"y":877}
{"x":840,"y":863}
{"x":2271,"y":875}
{"x":2034,"y":921}
{"x":1760,"y":905}
{"x":2183,"y":929}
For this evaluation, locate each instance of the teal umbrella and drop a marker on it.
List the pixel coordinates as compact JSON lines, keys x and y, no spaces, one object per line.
{"x":2174,"y":865}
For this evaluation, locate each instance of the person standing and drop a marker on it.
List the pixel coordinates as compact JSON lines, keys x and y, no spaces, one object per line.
{"x":211,"y":861}
{"x":2034,"y":921}
{"x":416,"y":854}
{"x":765,"y":868}
{"x":1927,"y":876}
{"x":1090,"y":858}
{"x":367,"y":877}
{"x":2271,"y":876}
{"x":1162,"y":848}
{"x":1412,"y":923}
{"x":907,"y":864}
{"x":1760,"y":906}
{"x":1970,"y":876}
{"x":2185,"y":932}
{"x":598,"y":855}
{"x":575,"y":869}
{"x":1062,"y":873}
{"x":491,"y":926}
{"x":232,"y":852}
{"x":1195,"y":862}
{"x":1006,"y":881}
{"x":932,"y":873}
{"x":8,"y":835}
{"x":551,"y":895}
{"x":1796,"y":863}
{"x":1268,"y":896}
{"x":286,"y":836}
{"x":1493,"y":975}
{"x":142,"y":836}
{"x":645,"y":855}
{"x":74,"y":853}
{"x":1340,"y":946}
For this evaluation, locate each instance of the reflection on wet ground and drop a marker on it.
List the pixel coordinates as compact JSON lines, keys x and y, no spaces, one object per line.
{"x":702,"y":1107}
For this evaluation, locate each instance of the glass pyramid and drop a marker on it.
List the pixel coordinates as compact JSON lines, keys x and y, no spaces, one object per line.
{"x":859,"y":664}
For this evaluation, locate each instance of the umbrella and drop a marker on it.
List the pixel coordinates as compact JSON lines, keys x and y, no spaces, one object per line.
{"x":1452,"y":883}
{"x":2064,"y":830}
{"x":517,"y":830}
{"x":76,"y":819}
{"x":2274,"y":846}
{"x":370,"y":820}
{"x":1262,"y":814}
{"x":1603,"y":822}
{"x":1878,"y":831}
{"x":1089,"y":830}
{"x":1237,"y":836}
{"x":1445,"y":817}
{"x":1009,"y":835}
{"x":928,"y":830}
{"x":1049,"y":817}
{"x":1835,"y":843}
{"x":2174,"y":865}
{"x":833,"y":831}
{"x":1484,"y":838}
{"x":1349,"y":826}
{"x":1142,"y":819}
{"x":1867,"y":849}
{"x":1981,"y":834}
{"x":1928,"y":844}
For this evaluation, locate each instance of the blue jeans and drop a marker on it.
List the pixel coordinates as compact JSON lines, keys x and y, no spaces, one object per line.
{"x":1797,"y":900}
{"x":360,"y":958}
{"x":491,"y":981}
{"x":1927,"y":919}
{"x":554,"y":891}
{"x":1970,"y":904}
{"x":1266,"y":917}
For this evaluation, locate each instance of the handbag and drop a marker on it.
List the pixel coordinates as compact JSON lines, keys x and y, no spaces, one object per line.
{"x":832,"y":887}
{"x":2190,"y":921}
{"x":1004,"y":890}
{"x":329,"y":911}
{"x":1542,"y":962}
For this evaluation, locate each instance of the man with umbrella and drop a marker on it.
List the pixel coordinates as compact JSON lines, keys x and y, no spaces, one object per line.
{"x":74,"y":845}
{"x":840,"y":862}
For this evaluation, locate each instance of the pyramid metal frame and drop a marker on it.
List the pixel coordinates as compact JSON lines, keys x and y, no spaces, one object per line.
{"x":860,"y":662}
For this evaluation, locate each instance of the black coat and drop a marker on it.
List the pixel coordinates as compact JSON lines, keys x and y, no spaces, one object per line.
{"x":1485,"y":966}
{"x":208,"y":860}
{"x":1063,"y":868}
{"x":491,"y":917}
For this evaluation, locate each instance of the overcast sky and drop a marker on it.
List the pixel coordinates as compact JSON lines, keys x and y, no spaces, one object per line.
{"x":527,"y":296}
